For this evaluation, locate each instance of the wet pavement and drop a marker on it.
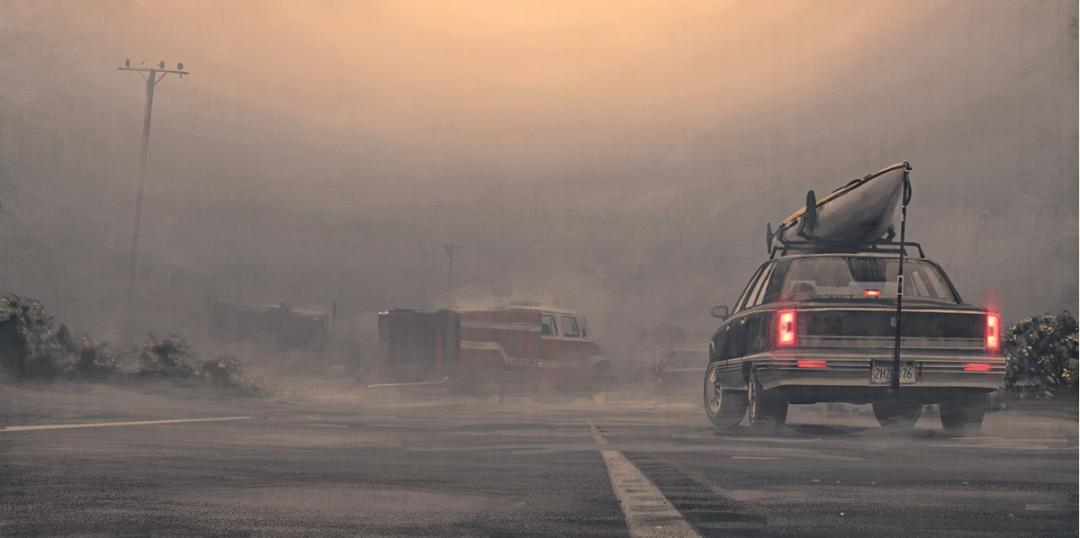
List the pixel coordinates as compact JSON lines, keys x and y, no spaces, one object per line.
{"x":459,"y":467}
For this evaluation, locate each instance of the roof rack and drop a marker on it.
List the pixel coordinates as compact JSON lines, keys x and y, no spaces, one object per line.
{"x":891,"y":247}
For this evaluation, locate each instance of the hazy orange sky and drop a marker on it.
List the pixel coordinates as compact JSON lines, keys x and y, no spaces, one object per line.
{"x":525,"y":77}
{"x":600,"y":146}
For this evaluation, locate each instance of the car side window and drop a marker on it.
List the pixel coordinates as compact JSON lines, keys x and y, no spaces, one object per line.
{"x":759,"y":290}
{"x":739,"y":305}
{"x":547,"y":325}
{"x":570,"y":326}
{"x":776,"y":282}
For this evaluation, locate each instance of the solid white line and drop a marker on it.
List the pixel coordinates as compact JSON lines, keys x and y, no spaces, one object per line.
{"x":1048,"y":508}
{"x":36,"y":427}
{"x":414,"y":384}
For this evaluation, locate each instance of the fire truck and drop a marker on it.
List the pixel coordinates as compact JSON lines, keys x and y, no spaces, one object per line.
{"x":520,"y":346}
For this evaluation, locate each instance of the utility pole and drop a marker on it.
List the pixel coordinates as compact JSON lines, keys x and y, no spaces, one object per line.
{"x":152,"y":76}
{"x":450,"y":268}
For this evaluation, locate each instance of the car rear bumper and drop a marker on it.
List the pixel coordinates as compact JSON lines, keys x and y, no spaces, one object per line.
{"x":978,"y":373}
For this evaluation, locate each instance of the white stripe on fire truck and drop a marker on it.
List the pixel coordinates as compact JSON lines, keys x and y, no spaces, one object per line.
{"x":501,"y":325}
{"x":478,"y":345}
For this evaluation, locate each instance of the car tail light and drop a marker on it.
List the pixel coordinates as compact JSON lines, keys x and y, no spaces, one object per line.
{"x":993,"y":331}
{"x":871,"y":293}
{"x":785,"y":328}
{"x":976,"y":367}
{"x":812,"y":363}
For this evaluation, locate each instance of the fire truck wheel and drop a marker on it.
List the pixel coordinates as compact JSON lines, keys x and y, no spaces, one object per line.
{"x":488,"y":389}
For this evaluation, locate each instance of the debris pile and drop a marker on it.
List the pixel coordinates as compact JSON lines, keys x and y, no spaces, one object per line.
{"x":33,"y":346}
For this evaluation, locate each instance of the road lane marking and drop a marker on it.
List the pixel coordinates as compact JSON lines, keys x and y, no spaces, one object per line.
{"x":755,"y":457}
{"x":646,"y":510}
{"x":1045,"y":507}
{"x":597,"y":437}
{"x":414,"y":384}
{"x":38,"y":427}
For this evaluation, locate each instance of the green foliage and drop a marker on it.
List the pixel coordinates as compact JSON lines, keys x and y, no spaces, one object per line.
{"x":1042,"y":356}
{"x":34,"y":346}
{"x":96,"y":361}
{"x":227,"y":373}
{"x":168,"y":357}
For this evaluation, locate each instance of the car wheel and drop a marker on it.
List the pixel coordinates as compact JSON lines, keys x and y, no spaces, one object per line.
{"x":725,"y":408}
{"x":766,"y":409}
{"x":963,"y":418}
{"x":897,"y":413}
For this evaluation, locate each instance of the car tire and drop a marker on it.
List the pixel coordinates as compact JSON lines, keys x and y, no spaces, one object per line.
{"x":897,"y":413}
{"x":724,"y":407}
{"x":963,"y":418}
{"x":766,"y":409}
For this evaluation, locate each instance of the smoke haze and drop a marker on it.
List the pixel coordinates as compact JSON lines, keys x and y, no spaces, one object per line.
{"x":621,"y":159}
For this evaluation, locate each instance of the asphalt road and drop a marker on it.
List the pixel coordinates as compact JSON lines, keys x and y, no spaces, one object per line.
{"x":449,"y":467}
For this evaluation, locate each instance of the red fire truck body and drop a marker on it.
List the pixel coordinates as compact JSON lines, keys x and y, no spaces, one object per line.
{"x":523,"y":344}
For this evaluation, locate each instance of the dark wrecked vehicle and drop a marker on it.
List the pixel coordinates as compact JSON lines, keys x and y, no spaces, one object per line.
{"x":818,"y":323}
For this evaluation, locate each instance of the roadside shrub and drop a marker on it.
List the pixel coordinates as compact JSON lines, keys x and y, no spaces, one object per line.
{"x":168,"y":357}
{"x":1041,"y":355}
{"x":228,"y":374}
{"x":96,"y":361}
{"x":33,"y":346}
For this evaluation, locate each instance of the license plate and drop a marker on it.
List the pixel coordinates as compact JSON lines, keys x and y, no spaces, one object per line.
{"x":881,"y":373}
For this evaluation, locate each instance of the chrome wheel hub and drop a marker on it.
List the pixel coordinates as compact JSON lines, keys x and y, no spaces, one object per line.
{"x":713,"y":391}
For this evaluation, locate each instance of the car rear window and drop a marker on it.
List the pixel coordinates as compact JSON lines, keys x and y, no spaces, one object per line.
{"x":856,"y":277}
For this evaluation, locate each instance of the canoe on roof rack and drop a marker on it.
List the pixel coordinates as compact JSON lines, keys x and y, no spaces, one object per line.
{"x":860,"y":212}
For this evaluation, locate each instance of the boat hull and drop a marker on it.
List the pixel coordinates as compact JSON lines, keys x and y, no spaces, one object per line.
{"x":858,"y":213}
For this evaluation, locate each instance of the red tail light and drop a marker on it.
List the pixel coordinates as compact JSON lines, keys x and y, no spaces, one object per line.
{"x":871,"y":293}
{"x":976,"y":367}
{"x":993,"y":331}
{"x":812,"y":363}
{"x":785,"y":328}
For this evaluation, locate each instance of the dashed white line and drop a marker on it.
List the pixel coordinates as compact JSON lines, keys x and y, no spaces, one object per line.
{"x":38,"y":427}
{"x":646,"y":510}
